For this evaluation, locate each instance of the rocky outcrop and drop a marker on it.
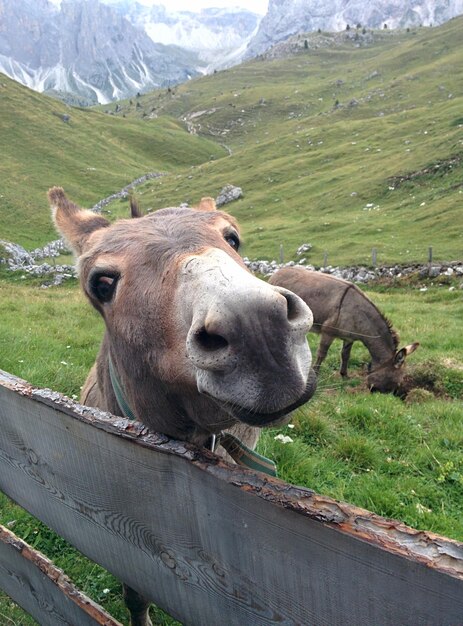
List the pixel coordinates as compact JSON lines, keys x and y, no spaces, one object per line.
{"x":288,"y":17}
{"x":18,"y":259}
{"x":229,"y":193}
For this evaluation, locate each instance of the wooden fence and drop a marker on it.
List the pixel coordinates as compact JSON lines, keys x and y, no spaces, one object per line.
{"x":209,"y":542}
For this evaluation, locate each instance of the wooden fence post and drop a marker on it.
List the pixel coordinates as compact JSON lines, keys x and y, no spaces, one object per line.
{"x":373,"y":256}
{"x":282,"y":254}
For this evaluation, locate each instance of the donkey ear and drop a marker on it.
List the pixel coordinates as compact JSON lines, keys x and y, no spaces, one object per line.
{"x":135,"y":210}
{"x":206,"y":204}
{"x":411,"y":347}
{"x":74,"y":224}
{"x":399,"y":358}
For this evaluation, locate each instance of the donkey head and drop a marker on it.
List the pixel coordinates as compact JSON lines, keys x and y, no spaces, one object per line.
{"x":198,"y":342}
{"x":387,"y":377}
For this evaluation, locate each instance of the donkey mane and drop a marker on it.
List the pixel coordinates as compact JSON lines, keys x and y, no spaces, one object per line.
{"x":392,"y":330}
{"x":394,"y":334}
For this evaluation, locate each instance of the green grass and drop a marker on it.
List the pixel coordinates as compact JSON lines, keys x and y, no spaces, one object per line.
{"x":345,"y":178}
{"x":92,"y":156}
{"x":310,"y":170}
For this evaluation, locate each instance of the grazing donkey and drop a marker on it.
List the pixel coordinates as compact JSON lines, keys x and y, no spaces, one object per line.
{"x":341,"y":310}
{"x":194,"y":343}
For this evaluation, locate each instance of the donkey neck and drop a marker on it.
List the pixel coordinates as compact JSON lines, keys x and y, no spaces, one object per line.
{"x":377,"y":334}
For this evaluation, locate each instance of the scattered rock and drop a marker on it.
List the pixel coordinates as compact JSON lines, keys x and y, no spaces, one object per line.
{"x":14,"y":255}
{"x":228,"y":194}
{"x":434,"y":271}
{"x":124,"y":192}
{"x":305,"y":247}
{"x":357,"y":274}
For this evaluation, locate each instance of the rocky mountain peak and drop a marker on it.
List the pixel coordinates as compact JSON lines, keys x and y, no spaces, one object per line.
{"x":289,"y":17}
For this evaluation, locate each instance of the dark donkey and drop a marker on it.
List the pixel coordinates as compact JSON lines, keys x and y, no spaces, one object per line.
{"x":341,"y":310}
{"x":194,"y":343}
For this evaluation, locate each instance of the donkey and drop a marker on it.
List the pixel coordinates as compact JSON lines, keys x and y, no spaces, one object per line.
{"x":194,"y":343}
{"x":341,"y":310}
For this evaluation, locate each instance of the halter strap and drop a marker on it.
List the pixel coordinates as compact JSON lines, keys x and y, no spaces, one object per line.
{"x":121,"y":401}
{"x":239,"y":452}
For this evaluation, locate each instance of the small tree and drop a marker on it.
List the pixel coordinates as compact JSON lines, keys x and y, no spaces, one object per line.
{"x":347,"y":27}
{"x":385,"y":26}
{"x":306,"y":44}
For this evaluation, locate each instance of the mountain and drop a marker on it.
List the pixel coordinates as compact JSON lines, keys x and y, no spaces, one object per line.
{"x":95,"y":51}
{"x":288,"y":17}
{"x":85,"y":48}
{"x":219,"y":36}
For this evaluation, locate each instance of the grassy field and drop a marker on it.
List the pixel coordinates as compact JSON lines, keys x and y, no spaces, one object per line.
{"x":345,"y":146}
{"x":91,"y":155}
{"x":399,"y":459}
{"x":348,"y":145}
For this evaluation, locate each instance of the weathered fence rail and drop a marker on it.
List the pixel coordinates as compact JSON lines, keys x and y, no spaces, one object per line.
{"x":211,"y":543}
{"x":43,"y":589}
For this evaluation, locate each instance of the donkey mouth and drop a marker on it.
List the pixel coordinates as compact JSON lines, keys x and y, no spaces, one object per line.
{"x":255,"y":418}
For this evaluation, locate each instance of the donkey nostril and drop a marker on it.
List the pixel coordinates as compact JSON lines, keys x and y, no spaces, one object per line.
{"x":293,"y":306}
{"x":209,"y":341}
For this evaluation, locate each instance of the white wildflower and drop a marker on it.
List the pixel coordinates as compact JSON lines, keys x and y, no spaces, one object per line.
{"x":283,"y":438}
{"x":422,"y":509}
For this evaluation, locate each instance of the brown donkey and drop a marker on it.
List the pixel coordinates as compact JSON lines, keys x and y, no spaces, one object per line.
{"x":194,"y":343}
{"x":341,"y":310}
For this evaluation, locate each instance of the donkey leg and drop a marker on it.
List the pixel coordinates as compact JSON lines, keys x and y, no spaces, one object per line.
{"x":345,"y":356}
{"x":324,"y":346}
{"x":138,"y":607}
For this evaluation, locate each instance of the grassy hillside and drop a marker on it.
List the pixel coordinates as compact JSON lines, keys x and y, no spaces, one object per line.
{"x":91,"y":154}
{"x":353,"y":143}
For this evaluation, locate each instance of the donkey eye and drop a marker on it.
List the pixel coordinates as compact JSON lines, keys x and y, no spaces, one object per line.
{"x":232,"y":241}
{"x":103,"y":287}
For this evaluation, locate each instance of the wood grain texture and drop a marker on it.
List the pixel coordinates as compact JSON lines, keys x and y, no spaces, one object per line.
{"x":42,"y":589}
{"x":212,"y":543}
